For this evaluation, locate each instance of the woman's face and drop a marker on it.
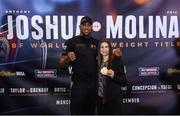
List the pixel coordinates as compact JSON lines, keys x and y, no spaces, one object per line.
{"x":104,"y":49}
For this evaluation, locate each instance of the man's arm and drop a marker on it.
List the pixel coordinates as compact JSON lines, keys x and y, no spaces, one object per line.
{"x":64,"y":61}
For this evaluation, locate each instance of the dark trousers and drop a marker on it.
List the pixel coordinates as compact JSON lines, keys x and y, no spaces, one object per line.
{"x":83,"y":98}
{"x":108,"y":108}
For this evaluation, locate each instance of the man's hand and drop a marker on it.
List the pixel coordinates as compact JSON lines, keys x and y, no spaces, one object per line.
{"x":117,"y":52}
{"x":66,"y":59}
{"x":71,"y":56}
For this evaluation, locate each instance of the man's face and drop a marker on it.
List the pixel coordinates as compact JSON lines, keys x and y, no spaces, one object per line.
{"x":85,"y":29}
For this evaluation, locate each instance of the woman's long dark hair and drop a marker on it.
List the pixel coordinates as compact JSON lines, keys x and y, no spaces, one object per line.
{"x":110,"y":53}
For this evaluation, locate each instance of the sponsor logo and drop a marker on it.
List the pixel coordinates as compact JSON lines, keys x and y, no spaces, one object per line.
{"x":173,"y":71}
{"x":46,"y":73}
{"x":12,"y":74}
{"x":148,"y":71}
{"x":7,"y":74}
{"x":20,"y":73}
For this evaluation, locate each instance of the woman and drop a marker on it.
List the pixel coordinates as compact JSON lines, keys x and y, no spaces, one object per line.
{"x":111,"y":78}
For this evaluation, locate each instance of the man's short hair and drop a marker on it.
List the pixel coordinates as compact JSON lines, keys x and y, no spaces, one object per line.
{"x":86,"y":19}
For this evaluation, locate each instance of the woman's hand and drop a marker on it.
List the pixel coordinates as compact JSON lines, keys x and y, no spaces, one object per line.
{"x":117,"y":52}
{"x":110,"y":73}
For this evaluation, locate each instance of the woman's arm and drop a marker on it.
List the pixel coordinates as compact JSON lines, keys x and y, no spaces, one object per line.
{"x":119,"y":73}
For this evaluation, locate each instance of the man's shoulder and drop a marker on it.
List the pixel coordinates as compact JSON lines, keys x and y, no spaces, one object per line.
{"x":73,"y":39}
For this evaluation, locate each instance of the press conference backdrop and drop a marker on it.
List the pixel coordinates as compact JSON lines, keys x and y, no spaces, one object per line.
{"x":32,"y":35}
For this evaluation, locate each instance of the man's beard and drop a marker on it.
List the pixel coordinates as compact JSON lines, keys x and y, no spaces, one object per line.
{"x":85,"y":35}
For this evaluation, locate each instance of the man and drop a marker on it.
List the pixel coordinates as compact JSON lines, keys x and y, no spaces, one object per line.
{"x":81,"y":52}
